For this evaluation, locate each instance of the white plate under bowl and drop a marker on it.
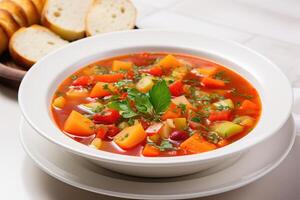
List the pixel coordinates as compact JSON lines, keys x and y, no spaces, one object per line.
{"x":83,"y":174}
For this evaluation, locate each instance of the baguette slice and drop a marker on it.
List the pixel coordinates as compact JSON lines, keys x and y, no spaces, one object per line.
{"x":28,"y":45}
{"x":110,"y":15}
{"x":16,"y":11}
{"x":66,"y":17}
{"x":8,"y":23}
{"x":3,"y":41}
{"x":39,"y":5}
{"x":31,"y":12}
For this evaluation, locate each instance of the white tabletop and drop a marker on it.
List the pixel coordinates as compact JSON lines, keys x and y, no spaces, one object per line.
{"x":272,"y":27}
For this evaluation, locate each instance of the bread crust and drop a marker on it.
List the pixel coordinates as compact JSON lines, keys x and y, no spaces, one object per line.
{"x":39,"y":5}
{"x":16,"y":11}
{"x":32,"y":14}
{"x":18,"y":58}
{"x":8,"y":23}
{"x":66,"y":34}
{"x":3,"y":41}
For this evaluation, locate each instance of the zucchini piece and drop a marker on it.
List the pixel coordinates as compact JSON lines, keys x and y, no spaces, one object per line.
{"x":227,"y":129}
{"x":224,"y":103}
{"x":244,"y":120}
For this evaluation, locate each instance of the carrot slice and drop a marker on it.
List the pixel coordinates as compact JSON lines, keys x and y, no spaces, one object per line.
{"x":121,"y":65}
{"x":212,"y":83}
{"x":248,"y":107}
{"x":108,"y":78}
{"x":79,"y":125}
{"x":150,"y":151}
{"x":196,"y":144}
{"x":168,"y":62}
{"x":101,"y":90}
{"x":130,"y":136}
{"x":172,"y":112}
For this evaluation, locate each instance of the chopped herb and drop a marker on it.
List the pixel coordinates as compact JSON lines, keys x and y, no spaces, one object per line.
{"x":221,"y":76}
{"x":237,"y":93}
{"x":222,"y":107}
{"x":164,"y":145}
{"x":160,"y":96}
{"x":238,"y":104}
{"x":182,"y":107}
{"x":143,"y":104}
{"x":74,"y":77}
{"x":100,"y":70}
{"x":130,"y":122}
{"x":213,"y":137}
{"x":196,"y":119}
{"x":97,"y":109}
{"x":123,"y":107}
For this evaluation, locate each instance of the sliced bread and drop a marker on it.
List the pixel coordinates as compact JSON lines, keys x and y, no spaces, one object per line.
{"x":33,"y":17}
{"x":28,"y":45}
{"x":110,"y":15}
{"x":39,"y":4}
{"x":16,"y":11}
{"x":3,"y":41}
{"x":8,"y":23}
{"x":66,"y":17}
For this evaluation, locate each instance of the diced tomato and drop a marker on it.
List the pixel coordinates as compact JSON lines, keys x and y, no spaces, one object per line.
{"x":112,"y":130}
{"x":82,"y":81}
{"x":212,"y":83}
{"x":101,"y":132}
{"x":154,"y":71}
{"x":219,"y":115}
{"x":150,"y":150}
{"x":123,"y":95}
{"x":176,"y":88}
{"x":108,"y":78}
{"x":107,"y":116}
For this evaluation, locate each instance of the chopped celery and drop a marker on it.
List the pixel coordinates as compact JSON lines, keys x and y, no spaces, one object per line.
{"x":244,"y":120}
{"x":227,"y":129}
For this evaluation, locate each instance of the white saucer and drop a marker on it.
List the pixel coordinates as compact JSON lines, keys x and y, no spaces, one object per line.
{"x":83,"y":174}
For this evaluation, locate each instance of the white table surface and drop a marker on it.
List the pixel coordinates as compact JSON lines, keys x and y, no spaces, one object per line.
{"x":271,"y":27}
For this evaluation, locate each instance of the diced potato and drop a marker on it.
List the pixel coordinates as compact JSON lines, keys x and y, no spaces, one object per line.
{"x":168,"y":62}
{"x":155,"y":138}
{"x":165,"y":131}
{"x":130,"y":136}
{"x":96,"y":143}
{"x":121,"y":65}
{"x":196,"y":144}
{"x":207,"y":71}
{"x":244,"y":121}
{"x":225,"y":103}
{"x":226,"y":129}
{"x":182,"y":100}
{"x":180,"y":123}
{"x":180,"y":72}
{"x":77,"y":93}
{"x":145,"y":84}
{"x":170,"y":123}
{"x":59,"y":102}
{"x":77,"y":124}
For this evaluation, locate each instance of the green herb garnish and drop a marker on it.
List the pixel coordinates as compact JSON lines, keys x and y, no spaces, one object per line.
{"x":123,"y":107}
{"x":160,"y":96}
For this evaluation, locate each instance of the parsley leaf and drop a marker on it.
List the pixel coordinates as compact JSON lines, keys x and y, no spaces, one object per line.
{"x":143,"y":104}
{"x":160,"y":96}
{"x":164,"y":145}
{"x":123,"y":107}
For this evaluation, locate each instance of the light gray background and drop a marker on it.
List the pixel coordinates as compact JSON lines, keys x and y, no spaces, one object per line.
{"x":271,"y":27}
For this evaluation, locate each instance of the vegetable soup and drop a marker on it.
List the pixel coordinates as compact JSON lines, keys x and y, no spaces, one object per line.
{"x":156,"y":104}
